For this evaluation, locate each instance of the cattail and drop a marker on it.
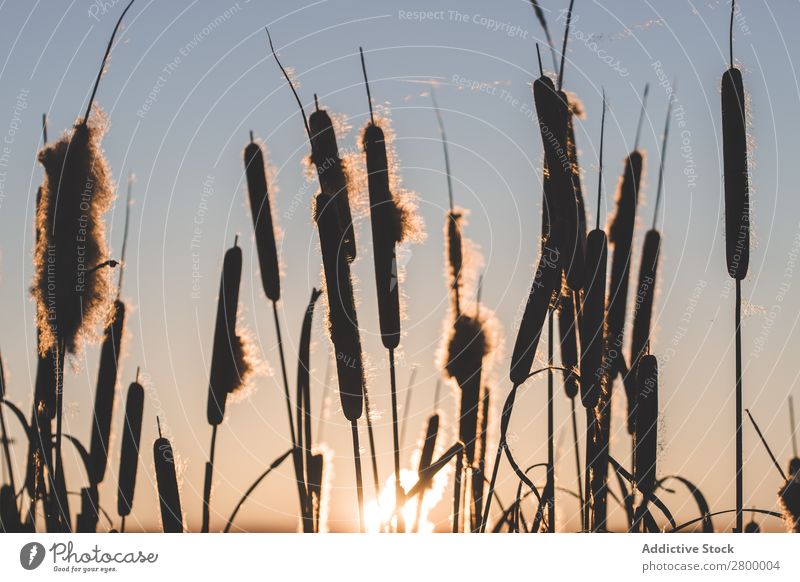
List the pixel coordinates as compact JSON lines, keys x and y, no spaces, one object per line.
{"x":642,"y":313}
{"x":304,"y":373}
{"x":794,"y":465}
{"x":72,"y":294}
{"x":389,"y":222}
{"x":332,"y":175}
{"x":466,"y":348}
{"x":105,"y":394}
{"x":576,"y":110}
{"x":304,"y":410}
{"x":737,"y":196}
{"x":167,"y":480}
{"x":541,"y":298}
{"x":646,"y":433}
{"x":552,"y":108}
{"x":593,"y":323}
{"x":789,"y":498}
{"x":229,"y":365}
{"x":9,"y":518}
{"x":568,"y":342}
{"x":129,"y":453}
{"x":261,"y":210}
{"x":387,"y":231}
{"x":429,"y":444}
{"x":425,"y":459}
{"x":752,"y":527}
{"x":737,"y":227}
{"x":342,"y":321}
{"x":86,"y":520}
{"x":316,"y":478}
{"x":620,"y":236}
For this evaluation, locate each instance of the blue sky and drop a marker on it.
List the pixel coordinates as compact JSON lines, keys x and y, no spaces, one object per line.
{"x":188,"y":80}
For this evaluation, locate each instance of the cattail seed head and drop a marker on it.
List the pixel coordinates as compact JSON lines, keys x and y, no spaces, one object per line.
{"x":332,"y":175}
{"x":230,"y":366}
{"x":106,"y":394}
{"x":552,"y":108}
{"x":342,"y":321}
{"x":642,"y":316}
{"x":261,"y":211}
{"x":429,"y":444}
{"x":789,"y":498}
{"x":646,"y":433}
{"x":794,"y":466}
{"x":387,"y":230}
{"x":129,"y":453}
{"x":621,"y":237}
{"x":752,"y":527}
{"x":737,"y":188}
{"x":72,"y":297}
{"x":592,"y":334}
{"x":167,"y":480}
{"x":542,"y":297}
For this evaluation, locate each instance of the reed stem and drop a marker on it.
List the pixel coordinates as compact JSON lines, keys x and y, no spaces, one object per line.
{"x":739,"y":446}
{"x":208,"y":479}
{"x":359,"y":480}
{"x":398,"y":488}
{"x":577,"y":456}
{"x":371,"y":437}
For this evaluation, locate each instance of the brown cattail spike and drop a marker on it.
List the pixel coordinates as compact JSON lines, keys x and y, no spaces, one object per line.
{"x":228,"y":367}
{"x":342,"y":321}
{"x":593,"y":322}
{"x":542,"y":297}
{"x":561,"y":204}
{"x":737,"y":189}
{"x":105,"y":394}
{"x":387,"y":230}
{"x":261,"y":211}
{"x":643,"y":311}
{"x":167,"y":480}
{"x":332,"y":175}
{"x":646,"y":433}
{"x":129,"y":453}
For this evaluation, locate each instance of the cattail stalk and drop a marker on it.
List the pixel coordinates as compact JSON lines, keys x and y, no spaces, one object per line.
{"x":387,"y":230}
{"x":305,"y":441}
{"x":646,"y":433}
{"x":76,"y":192}
{"x":620,"y":237}
{"x":425,"y":459}
{"x":226,"y":375}
{"x":129,"y":453}
{"x":342,"y":325}
{"x":737,"y":227}
{"x":167,"y":481}
{"x":593,"y":373}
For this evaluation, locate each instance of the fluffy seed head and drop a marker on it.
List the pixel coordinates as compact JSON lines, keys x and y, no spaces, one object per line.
{"x":73,"y":297}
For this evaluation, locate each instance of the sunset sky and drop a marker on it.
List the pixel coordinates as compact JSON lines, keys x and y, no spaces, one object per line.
{"x":188,"y":80}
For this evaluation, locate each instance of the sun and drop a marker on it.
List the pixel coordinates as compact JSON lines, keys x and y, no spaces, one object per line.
{"x":379,"y":512}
